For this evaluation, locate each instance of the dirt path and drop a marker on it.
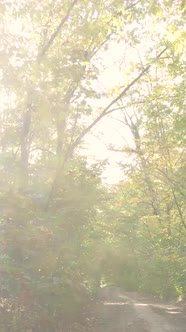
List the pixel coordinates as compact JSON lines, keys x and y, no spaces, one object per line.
{"x":130,"y":312}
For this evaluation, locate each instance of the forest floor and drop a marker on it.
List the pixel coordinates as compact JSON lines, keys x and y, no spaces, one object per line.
{"x":120,"y":311}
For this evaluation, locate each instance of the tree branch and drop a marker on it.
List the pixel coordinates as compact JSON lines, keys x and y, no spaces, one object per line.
{"x":54,"y":35}
{"x":107,"y":110}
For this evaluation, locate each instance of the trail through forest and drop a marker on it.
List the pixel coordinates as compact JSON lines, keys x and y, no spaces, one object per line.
{"x":131,"y":312}
{"x":92,"y":165}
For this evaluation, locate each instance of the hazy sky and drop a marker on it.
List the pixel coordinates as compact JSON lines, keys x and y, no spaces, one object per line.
{"x":109,"y":131}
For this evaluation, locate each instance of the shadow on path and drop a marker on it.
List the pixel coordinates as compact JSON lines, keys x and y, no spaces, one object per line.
{"x":118,"y":311}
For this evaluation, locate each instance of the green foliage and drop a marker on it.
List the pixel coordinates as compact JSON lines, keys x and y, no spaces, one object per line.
{"x":47,"y":255}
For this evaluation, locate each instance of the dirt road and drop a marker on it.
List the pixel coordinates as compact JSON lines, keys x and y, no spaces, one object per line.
{"x":129,"y":312}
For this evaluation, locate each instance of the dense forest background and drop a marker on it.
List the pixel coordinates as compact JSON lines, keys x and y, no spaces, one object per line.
{"x":63,"y":231}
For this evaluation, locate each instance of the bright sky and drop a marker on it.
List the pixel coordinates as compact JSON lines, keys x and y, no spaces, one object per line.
{"x":109,"y":131}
